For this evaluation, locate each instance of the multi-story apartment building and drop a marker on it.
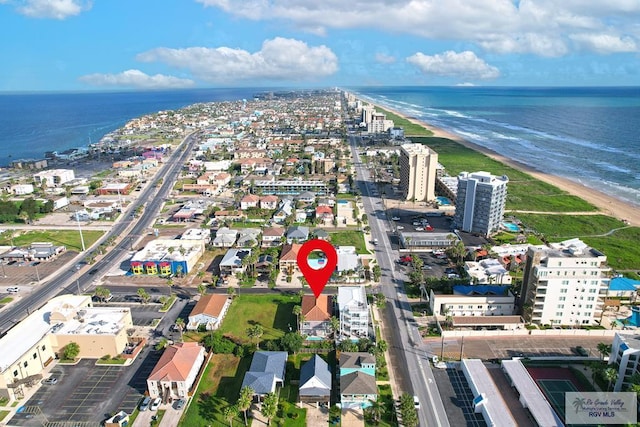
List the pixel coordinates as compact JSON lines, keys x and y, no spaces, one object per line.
{"x":480,"y":202}
{"x":354,"y":312}
{"x":291,"y":187}
{"x":564,"y":284}
{"x":476,"y":300}
{"x":418,"y":165}
{"x":379,"y":123}
{"x":625,"y":357}
{"x":54,"y":177}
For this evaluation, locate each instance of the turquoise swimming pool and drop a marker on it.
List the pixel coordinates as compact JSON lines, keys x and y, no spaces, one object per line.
{"x":511,"y":226}
{"x":443,"y":201}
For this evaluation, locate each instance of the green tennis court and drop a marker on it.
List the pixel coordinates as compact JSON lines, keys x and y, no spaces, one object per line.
{"x":555,"y":391}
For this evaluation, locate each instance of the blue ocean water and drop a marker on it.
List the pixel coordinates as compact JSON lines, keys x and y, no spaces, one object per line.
{"x":31,"y":124}
{"x":589,"y":135}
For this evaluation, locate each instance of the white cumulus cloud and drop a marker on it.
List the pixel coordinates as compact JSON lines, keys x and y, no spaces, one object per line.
{"x":383,"y":58}
{"x":452,"y":64}
{"x":137,"y":79}
{"x":605,"y":43}
{"x":278,"y":59}
{"x":541,"y":27}
{"x":50,"y":9}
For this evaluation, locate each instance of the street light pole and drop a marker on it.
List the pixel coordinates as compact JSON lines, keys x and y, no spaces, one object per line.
{"x":80,"y":230}
{"x":37,"y":273}
{"x":77,"y":278}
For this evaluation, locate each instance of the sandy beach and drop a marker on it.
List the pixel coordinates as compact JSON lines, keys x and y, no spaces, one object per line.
{"x":608,"y":205}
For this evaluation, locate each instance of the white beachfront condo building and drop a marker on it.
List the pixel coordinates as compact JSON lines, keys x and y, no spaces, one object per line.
{"x":480,"y":202}
{"x":418,"y":165}
{"x":564,"y":284}
{"x":625,"y":357}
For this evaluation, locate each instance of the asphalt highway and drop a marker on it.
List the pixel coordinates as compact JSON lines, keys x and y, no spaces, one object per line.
{"x":73,"y":279}
{"x":409,"y":360}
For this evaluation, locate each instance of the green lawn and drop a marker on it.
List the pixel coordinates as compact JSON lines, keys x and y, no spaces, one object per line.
{"x":219,"y":388}
{"x":273,"y":312}
{"x":524,"y":191}
{"x":68,"y":238}
{"x":3,"y":414}
{"x":349,"y":238}
{"x":561,"y":227}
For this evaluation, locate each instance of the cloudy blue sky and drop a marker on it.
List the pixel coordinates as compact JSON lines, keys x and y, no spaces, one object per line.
{"x":153,"y":44}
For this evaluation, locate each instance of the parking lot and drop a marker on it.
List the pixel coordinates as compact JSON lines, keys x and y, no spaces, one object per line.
{"x":88,"y":394}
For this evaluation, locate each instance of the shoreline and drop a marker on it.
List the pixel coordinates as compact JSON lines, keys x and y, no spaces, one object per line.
{"x":605,"y":203}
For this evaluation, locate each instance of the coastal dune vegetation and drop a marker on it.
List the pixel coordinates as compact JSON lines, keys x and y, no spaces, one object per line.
{"x":550,"y":213}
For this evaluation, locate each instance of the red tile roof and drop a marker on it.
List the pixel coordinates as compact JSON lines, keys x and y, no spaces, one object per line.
{"x":176,"y":362}
{"x":210,"y":305}
{"x":316,"y":309}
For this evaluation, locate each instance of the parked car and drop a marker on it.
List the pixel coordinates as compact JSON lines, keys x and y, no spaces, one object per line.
{"x":400,"y":227}
{"x":13,"y":290}
{"x":145,"y":404}
{"x":156,"y":404}
{"x":180,"y":403}
{"x":395,"y":218}
{"x":416,"y":402}
{"x":50,"y":381}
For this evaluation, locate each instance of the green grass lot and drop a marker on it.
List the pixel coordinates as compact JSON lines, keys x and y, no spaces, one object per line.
{"x":349,"y":238}
{"x":620,"y":247}
{"x":219,"y":388}
{"x":273,"y":312}
{"x":68,"y":238}
{"x":410,"y":129}
{"x":561,"y":227}
{"x":525,"y":192}
{"x":3,"y":414}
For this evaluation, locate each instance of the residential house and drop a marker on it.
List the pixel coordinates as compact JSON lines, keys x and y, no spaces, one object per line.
{"x":225,"y":237}
{"x":264,"y":264}
{"x":249,"y":201}
{"x":324,"y":214}
{"x":272,"y":236}
{"x":232,"y":261}
{"x":316,"y":316}
{"x":248,"y":237}
{"x":289,"y":259}
{"x":354,"y":312}
{"x":301,"y":215}
{"x":297,"y":233}
{"x":357,"y":380}
{"x":306,"y":197}
{"x":267,"y":371}
{"x":269,"y":202}
{"x":321,"y":234}
{"x":349,"y":264}
{"x":176,"y":371}
{"x":315,"y":381}
{"x":284,"y":211}
{"x":209,"y":311}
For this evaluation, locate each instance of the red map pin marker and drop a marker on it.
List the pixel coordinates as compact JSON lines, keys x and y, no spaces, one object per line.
{"x":317,"y":278}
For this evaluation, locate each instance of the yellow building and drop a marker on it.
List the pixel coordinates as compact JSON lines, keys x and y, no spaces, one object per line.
{"x":32,"y":344}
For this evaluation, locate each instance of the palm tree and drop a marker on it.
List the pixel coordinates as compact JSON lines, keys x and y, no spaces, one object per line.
{"x":604,"y":349}
{"x":229,"y":413}
{"x":297,"y":310}
{"x":244,"y":401}
{"x":144,"y":295}
{"x":256,"y":332}
{"x":269,"y":406}
{"x":611,"y":375}
{"x":334,"y":324}
{"x":375,"y":408}
{"x":202,"y":289}
{"x":180,"y":324}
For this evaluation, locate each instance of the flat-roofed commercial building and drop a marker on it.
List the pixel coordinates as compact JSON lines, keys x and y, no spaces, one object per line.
{"x":480,"y":202}
{"x":487,"y":398}
{"x":32,"y":344}
{"x":418,"y":165}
